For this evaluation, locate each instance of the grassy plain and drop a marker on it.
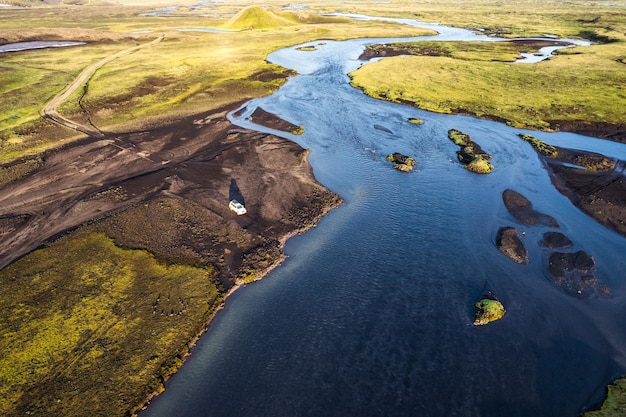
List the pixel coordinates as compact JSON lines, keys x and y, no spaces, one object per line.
{"x":581,"y":86}
{"x":189,"y":71}
{"x":84,"y":317}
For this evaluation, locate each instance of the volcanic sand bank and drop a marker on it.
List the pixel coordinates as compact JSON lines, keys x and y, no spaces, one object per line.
{"x":165,"y":191}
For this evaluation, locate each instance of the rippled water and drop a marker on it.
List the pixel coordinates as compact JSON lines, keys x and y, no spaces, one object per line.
{"x":371,"y":314}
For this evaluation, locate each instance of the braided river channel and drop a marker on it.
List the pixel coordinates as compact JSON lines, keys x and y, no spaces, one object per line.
{"x":371,"y":314}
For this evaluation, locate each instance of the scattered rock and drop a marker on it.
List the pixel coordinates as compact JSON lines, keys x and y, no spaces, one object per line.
{"x":470,"y":154}
{"x":401,"y":162}
{"x":522,"y":209}
{"x":415,"y":121}
{"x":554,"y":240}
{"x":509,"y":243}
{"x":488,"y":309}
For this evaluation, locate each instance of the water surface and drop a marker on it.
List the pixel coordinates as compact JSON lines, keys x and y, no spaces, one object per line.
{"x":371,"y":314}
{"x":24,"y":46}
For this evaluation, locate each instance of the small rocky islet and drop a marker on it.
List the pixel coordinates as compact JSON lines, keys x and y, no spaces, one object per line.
{"x":470,"y":153}
{"x":401,"y":162}
{"x":488,"y":309}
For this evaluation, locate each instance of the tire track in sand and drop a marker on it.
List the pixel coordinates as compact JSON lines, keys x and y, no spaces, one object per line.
{"x":50,"y":110}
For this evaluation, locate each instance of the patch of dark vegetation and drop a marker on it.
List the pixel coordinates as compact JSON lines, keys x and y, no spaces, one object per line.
{"x":387,"y":50}
{"x":596,"y":37}
{"x":470,"y":154}
{"x":20,"y":168}
{"x":496,"y":31}
{"x":271,"y":74}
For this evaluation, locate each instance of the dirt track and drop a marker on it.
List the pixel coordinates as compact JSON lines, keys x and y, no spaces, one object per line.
{"x":50,"y":110}
{"x":184,"y":175}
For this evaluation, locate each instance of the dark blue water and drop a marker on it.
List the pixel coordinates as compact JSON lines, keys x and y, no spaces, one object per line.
{"x":371,"y":314}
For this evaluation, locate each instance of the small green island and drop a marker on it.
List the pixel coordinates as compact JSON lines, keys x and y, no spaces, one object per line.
{"x":488,"y":309}
{"x":401,"y":162}
{"x":470,"y":153}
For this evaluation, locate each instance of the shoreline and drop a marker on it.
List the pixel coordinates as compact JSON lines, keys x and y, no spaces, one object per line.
{"x":180,"y":177}
{"x":205,"y":327}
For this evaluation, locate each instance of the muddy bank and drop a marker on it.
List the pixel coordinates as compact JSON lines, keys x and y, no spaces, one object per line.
{"x":593,"y":182}
{"x":602,"y":195}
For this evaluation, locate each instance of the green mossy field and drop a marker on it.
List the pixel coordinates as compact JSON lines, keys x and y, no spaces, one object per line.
{"x":88,"y":328}
{"x":189,"y":71}
{"x":580,"y":85}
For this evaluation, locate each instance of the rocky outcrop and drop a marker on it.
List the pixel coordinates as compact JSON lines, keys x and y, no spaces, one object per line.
{"x":522,"y":209}
{"x":401,"y":162}
{"x":555,"y":240}
{"x":509,"y":243}
{"x":488,"y":309}
{"x":470,"y":153}
{"x":573,"y":272}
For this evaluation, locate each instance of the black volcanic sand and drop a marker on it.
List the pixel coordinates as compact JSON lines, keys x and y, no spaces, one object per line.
{"x":167,"y":191}
{"x":596,"y":185}
{"x":264,"y":118}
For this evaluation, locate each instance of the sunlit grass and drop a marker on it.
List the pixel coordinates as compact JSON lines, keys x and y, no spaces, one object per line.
{"x":584,"y":83}
{"x":86,"y":314}
{"x":187,"y":73}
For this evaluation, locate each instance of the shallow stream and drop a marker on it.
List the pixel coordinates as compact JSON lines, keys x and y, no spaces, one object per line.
{"x":371,"y":314}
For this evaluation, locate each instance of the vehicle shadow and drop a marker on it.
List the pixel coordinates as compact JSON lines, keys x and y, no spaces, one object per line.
{"x":234,"y":193}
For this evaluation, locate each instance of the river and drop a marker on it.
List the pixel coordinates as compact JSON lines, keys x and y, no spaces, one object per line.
{"x":25,"y":46}
{"x":371,"y":314}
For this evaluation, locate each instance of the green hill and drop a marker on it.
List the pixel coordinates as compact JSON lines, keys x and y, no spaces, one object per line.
{"x":257,"y":17}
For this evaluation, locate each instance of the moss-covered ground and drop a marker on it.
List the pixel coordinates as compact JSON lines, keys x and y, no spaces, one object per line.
{"x":77,"y":318}
{"x":583,"y":83}
{"x":615,"y":403}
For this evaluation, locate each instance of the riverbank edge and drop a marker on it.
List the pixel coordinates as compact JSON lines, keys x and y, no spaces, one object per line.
{"x":259,"y":275}
{"x":601,"y":130}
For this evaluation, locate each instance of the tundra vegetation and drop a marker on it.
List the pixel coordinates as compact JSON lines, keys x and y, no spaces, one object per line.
{"x":90,"y":328}
{"x":579,"y":88}
{"x":188,"y":71}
